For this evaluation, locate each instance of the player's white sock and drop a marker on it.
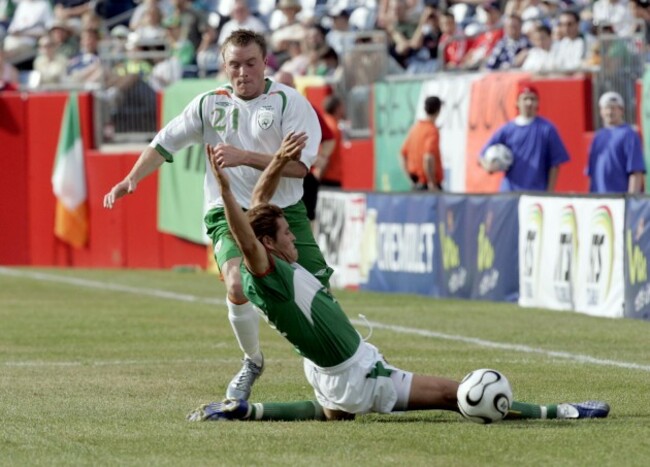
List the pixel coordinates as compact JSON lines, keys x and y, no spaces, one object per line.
{"x":245,"y":324}
{"x":567,"y":411}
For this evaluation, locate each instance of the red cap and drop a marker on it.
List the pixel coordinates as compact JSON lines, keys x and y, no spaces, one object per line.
{"x":527,"y":88}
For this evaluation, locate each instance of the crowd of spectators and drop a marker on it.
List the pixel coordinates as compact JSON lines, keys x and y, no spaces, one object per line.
{"x":60,"y":41}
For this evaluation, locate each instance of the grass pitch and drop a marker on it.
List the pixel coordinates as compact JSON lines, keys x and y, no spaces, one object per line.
{"x":101,"y":367}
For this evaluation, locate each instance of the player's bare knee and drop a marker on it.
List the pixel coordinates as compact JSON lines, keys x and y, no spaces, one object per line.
{"x":236,"y":293}
{"x":232,"y":280}
{"x":234,"y":288}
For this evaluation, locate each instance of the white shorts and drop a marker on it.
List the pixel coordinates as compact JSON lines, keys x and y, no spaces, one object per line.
{"x":363,"y":383}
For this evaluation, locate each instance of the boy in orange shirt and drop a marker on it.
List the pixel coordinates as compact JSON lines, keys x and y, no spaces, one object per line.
{"x":420,"y":153}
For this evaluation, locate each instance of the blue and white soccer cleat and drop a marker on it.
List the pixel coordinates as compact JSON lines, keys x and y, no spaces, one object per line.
{"x":588,"y":409}
{"x":241,"y":385}
{"x":221,"y":411}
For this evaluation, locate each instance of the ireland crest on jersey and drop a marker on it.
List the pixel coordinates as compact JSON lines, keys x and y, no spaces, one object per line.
{"x":265,"y":118}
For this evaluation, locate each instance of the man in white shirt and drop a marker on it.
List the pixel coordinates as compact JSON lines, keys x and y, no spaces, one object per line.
{"x":614,"y":12}
{"x":30,"y":21}
{"x":339,"y":37}
{"x":539,"y":57}
{"x":569,"y":52}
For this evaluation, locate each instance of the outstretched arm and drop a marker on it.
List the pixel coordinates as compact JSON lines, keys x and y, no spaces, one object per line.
{"x":289,"y":151}
{"x":252,"y":250}
{"x":149,"y":161}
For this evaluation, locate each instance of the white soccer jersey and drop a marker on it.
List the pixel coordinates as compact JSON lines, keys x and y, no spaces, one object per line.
{"x":257,"y":125}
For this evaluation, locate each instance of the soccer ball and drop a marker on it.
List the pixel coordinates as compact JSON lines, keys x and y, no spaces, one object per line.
{"x":497,"y":158}
{"x":484,"y":396}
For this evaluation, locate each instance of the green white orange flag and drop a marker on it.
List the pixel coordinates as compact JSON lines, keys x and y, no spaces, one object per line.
{"x":69,"y":180}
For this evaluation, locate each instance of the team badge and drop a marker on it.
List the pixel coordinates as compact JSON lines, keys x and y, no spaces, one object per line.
{"x":217,"y":247}
{"x":265,"y":119}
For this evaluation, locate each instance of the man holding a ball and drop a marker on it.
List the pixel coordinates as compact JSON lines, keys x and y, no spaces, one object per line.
{"x":536,"y":146}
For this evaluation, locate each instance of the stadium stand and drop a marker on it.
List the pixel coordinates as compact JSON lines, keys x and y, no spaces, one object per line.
{"x":368,"y":39}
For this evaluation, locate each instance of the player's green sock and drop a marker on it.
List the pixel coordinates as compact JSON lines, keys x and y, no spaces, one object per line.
{"x":287,"y":411}
{"x":521,"y":410}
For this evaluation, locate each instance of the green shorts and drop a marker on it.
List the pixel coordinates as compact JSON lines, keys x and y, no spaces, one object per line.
{"x":309,"y":255}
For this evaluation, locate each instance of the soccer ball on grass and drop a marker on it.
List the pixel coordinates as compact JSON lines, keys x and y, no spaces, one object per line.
{"x":484,"y":396}
{"x":497,"y":158}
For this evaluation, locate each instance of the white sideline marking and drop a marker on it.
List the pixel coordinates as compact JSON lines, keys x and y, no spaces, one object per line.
{"x":110,"y":286}
{"x":390,"y":327}
{"x":503,"y":346}
{"x":99,"y":363}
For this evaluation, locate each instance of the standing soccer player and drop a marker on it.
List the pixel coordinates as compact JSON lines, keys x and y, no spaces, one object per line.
{"x":245,"y":122}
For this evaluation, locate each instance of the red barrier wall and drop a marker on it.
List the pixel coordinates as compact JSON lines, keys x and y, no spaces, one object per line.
{"x":317,"y":94}
{"x":358,"y":165}
{"x":44,"y":114}
{"x":177,"y":251}
{"x":143,"y":242}
{"x":567,"y":103}
{"x":126,"y":236}
{"x":492,"y":103}
{"x":14,"y":212}
{"x":107,"y":230}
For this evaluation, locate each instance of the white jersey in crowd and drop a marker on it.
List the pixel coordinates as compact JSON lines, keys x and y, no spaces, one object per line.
{"x":538,"y":59}
{"x":257,"y":125}
{"x":618,"y":14}
{"x":568,"y":53}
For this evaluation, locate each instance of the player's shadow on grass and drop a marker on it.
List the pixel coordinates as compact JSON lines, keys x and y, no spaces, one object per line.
{"x":439,"y":418}
{"x":409,"y":417}
{"x":552,"y":424}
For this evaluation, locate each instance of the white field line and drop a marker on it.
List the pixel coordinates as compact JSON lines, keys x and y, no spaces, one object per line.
{"x":110,"y":286}
{"x":100,"y":363}
{"x":376,"y":325}
{"x":510,"y":347}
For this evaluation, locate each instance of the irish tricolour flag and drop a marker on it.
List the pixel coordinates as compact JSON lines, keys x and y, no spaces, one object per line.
{"x":69,"y":180}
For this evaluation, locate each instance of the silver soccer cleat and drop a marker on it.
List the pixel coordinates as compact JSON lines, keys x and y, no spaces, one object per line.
{"x":241,"y":385}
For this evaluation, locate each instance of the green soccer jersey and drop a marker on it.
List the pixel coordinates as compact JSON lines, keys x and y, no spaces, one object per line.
{"x":298,"y":306}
